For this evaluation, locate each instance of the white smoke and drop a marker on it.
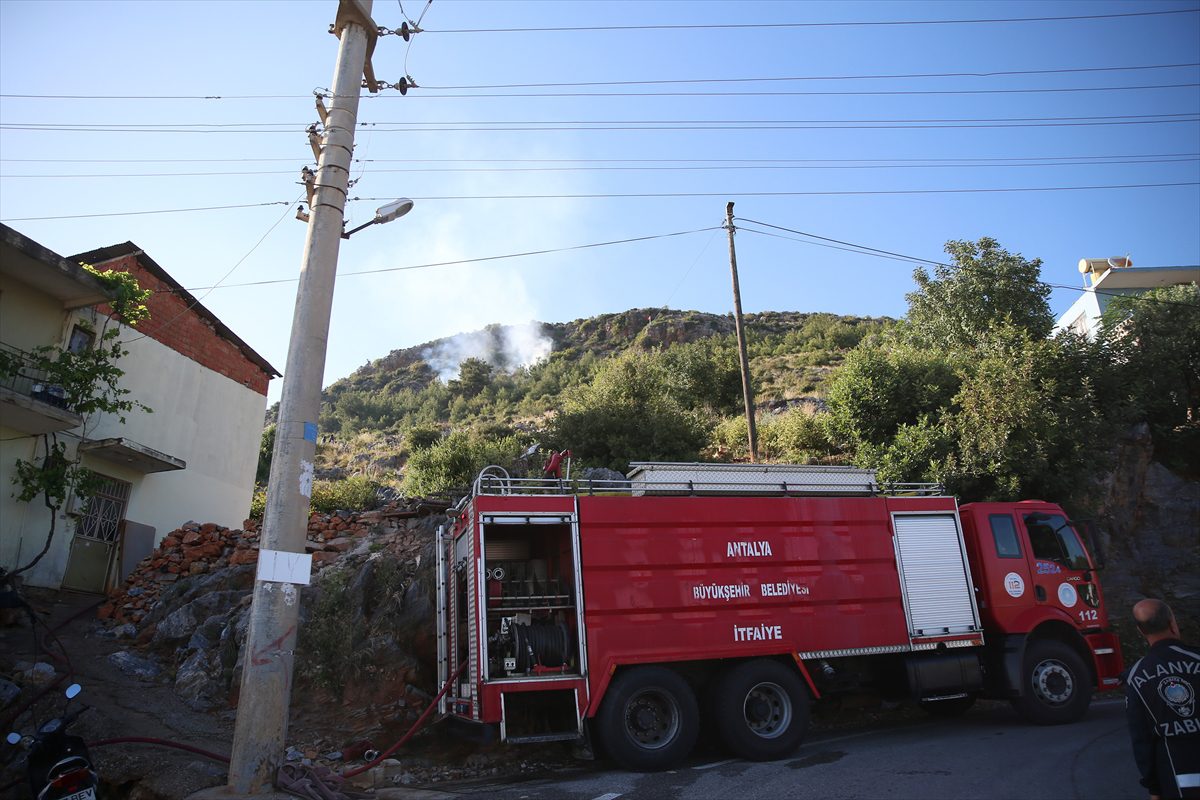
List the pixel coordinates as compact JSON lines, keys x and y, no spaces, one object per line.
{"x":505,"y":347}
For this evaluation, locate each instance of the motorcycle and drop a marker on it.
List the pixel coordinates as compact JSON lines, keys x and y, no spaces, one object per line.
{"x":58,"y":763}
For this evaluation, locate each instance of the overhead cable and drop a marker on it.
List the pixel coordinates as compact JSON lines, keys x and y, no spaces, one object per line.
{"x":939,"y":160}
{"x":649,"y":195}
{"x":892,"y":76}
{"x":480,"y":259}
{"x":675,"y":168}
{"x":501,"y":95}
{"x":151,"y":211}
{"x":192,"y":302}
{"x":839,"y":244}
{"x":839,"y":24}
{"x":683,"y":124}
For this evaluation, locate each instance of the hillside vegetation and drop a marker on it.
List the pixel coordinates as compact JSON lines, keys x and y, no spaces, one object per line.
{"x":971,"y":389}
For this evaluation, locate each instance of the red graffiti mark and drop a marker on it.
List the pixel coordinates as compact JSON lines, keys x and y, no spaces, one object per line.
{"x":262,"y":656}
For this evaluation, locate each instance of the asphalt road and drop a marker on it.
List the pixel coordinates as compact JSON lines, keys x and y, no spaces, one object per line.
{"x":989,"y":754}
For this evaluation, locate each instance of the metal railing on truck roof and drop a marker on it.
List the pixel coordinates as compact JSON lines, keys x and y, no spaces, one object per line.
{"x":719,"y":479}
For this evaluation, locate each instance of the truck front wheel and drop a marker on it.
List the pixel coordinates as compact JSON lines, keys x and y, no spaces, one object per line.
{"x":649,"y":719}
{"x":1055,"y":684}
{"x":761,"y":710}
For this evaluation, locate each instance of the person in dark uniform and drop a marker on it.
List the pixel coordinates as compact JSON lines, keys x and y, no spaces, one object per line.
{"x":1160,"y":703}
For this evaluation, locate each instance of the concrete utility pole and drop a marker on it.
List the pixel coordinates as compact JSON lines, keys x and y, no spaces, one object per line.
{"x":747,"y":392}
{"x":261,"y":731}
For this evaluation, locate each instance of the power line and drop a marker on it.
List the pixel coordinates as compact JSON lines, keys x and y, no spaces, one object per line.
{"x":701,"y":168}
{"x":195,"y":301}
{"x":884,"y":161}
{"x":906,"y":76}
{"x":291,"y":127}
{"x":841,"y":24}
{"x":469,"y":127}
{"x":152,"y":211}
{"x":859,"y":93}
{"x":546,"y":251}
{"x":649,"y":195}
{"x":838,"y":244}
{"x":846,"y":245}
{"x":423,"y":96}
{"x":793,"y":194}
{"x":740,"y":120}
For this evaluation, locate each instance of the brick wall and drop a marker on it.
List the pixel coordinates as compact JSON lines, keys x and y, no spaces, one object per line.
{"x":186,"y":332}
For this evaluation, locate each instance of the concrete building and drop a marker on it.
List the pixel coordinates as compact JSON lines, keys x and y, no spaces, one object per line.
{"x":193,"y":457}
{"x":1113,"y":277}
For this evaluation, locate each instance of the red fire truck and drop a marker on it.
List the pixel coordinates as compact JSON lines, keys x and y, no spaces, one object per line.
{"x":636,"y":611}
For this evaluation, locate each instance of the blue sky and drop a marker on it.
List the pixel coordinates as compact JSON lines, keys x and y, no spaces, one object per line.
{"x":801,"y":158}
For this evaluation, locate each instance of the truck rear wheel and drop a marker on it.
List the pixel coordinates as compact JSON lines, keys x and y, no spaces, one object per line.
{"x":1056,"y":687}
{"x":649,"y":719}
{"x":761,"y":710}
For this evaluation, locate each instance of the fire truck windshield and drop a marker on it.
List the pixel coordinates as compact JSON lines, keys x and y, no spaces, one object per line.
{"x":1053,"y":539}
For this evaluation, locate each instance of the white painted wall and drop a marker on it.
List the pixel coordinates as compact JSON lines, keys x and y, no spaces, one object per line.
{"x":200,"y":416}
{"x":29,"y":318}
{"x":1087,"y":307}
{"x":209,"y":421}
{"x":23,"y":526}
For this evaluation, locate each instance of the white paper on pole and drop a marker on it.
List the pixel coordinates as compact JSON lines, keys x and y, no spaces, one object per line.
{"x":283,"y":567}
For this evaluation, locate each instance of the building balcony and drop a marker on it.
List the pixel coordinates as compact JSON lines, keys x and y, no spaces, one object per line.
{"x":29,"y":401}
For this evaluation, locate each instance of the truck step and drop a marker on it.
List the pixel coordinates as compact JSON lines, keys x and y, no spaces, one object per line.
{"x":567,"y":736}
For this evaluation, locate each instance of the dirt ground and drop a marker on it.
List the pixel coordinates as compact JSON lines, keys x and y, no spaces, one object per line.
{"x":122,"y":705}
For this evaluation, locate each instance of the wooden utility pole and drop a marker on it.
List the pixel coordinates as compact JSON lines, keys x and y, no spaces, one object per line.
{"x":747,"y":392}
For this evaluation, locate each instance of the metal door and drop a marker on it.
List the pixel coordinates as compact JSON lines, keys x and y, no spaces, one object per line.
{"x":97,"y":534}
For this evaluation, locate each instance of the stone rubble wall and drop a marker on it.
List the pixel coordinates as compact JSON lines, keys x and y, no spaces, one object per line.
{"x":199,"y":548}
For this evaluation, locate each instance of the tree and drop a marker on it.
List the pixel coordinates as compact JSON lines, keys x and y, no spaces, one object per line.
{"x":90,"y":379}
{"x":1155,"y":338}
{"x":881,"y":387}
{"x":266,"y":447}
{"x":704,"y":374}
{"x":971,"y":393}
{"x":629,"y":413}
{"x":1028,"y":420}
{"x":984,"y":287}
{"x":474,"y":375}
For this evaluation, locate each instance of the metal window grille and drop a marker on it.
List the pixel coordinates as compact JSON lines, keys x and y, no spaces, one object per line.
{"x":102,"y":517}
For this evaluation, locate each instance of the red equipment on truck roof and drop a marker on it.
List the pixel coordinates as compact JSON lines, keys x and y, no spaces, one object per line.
{"x":610,"y":608}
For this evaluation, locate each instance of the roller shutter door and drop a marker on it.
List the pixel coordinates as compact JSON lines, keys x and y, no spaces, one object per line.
{"x":933,"y":570}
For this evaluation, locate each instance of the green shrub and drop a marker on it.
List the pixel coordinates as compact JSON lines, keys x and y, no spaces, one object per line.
{"x":422,"y":437}
{"x":356,"y":493}
{"x":455,"y":461}
{"x":258,"y":503}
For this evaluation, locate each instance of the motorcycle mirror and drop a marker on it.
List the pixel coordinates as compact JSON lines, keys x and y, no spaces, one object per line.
{"x":73,"y":691}
{"x":14,"y":738}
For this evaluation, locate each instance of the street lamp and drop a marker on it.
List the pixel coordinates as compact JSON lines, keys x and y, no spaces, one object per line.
{"x":393,"y":210}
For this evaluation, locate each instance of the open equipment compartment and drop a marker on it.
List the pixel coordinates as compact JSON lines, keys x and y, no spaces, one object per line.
{"x":531,"y":597}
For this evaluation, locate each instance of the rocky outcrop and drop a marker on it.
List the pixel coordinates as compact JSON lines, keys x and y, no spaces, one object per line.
{"x":1150,"y":520}
{"x":367,"y":634}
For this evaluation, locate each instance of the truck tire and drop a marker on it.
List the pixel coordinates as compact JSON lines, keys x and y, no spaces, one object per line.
{"x":1056,"y":687}
{"x":649,"y":719}
{"x":761,"y":710}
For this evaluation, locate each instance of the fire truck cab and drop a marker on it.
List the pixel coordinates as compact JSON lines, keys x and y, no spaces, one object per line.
{"x":617,"y":609}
